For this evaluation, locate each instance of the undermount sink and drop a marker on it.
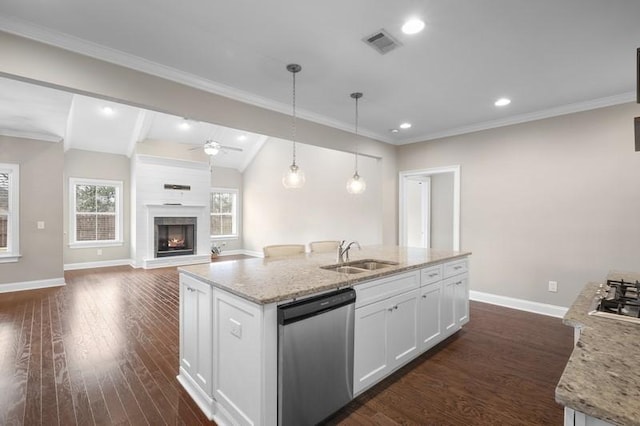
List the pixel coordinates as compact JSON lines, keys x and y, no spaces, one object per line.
{"x":359,"y":266}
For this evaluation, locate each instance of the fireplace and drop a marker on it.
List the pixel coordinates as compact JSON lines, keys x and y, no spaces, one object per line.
{"x":175,"y":236}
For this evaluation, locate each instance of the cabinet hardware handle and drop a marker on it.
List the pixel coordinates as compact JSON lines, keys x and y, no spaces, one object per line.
{"x":459,"y":282}
{"x":457,"y":267}
{"x":424,"y":296}
{"x":395,"y":307}
{"x":433,"y":275}
{"x":390,"y":309}
{"x":191,"y":289}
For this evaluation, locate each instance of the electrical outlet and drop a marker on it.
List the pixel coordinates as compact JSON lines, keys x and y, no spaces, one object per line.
{"x":40,"y":224}
{"x":553,"y":286}
{"x":236,"y":328}
{"x":99,"y":252}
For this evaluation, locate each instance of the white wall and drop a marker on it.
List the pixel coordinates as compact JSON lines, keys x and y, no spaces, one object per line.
{"x":414,"y":195}
{"x":321,"y":210}
{"x":555,"y":199}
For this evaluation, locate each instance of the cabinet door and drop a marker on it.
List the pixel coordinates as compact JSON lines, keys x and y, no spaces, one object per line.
{"x":462,"y":299}
{"x":370,"y":345}
{"x":402,"y":327}
{"x":448,"y":306}
{"x":196,"y":331}
{"x":430,"y":315}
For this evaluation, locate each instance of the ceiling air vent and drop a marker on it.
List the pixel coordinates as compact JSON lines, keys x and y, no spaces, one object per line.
{"x":381,"y":41}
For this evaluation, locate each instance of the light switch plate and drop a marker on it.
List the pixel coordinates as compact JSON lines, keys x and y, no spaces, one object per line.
{"x":553,"y":286}
{"x":40,"y":224}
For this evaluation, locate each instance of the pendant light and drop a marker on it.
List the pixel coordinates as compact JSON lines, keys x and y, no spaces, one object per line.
{"x":294,"y":177}
{"x":356,"y":184}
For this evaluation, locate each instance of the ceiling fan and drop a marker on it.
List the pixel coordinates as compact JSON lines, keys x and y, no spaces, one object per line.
{"x":212,"y":148}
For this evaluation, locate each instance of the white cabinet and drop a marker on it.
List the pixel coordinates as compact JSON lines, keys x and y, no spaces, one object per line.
{"x":196,"y":313}
{"x":430,"y":315}
{"x":455,"y":312}
{"x":385,"y":337}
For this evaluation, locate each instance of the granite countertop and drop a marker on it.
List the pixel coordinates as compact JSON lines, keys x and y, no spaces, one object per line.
{"x":602,"y":377}
{"x":269,"y":280}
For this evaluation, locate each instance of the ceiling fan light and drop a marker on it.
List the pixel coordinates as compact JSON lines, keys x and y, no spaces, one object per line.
{"x":211,"y":148}
{"x":356,"y":184}
{"x":293,"y":178}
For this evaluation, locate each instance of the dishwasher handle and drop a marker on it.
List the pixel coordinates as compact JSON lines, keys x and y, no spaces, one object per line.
{"x":302,"y":309}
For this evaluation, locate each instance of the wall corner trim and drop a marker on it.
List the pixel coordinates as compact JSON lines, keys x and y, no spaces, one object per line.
{"x":32,"y":285}
{"x":520,"y":304}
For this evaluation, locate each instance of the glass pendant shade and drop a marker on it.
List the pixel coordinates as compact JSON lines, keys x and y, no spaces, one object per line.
{"x":356,"y":185}
{"x":293,"y":178}
{"x":211,"y":147}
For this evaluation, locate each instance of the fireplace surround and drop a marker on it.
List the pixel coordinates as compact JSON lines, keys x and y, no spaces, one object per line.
{"x":175,"y":236}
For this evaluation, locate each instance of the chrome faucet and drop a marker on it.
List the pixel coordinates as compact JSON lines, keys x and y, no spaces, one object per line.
{"x":343,"y":253}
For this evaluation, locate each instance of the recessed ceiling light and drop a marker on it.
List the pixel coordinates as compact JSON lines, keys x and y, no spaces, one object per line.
{"x":242,"y":138}
{"x":405,"y":126}
{"x":184,"y":125}
{"x":502,"y":102}
{"x":107,"y":110}
{"x":413,"y":26}
{"x":394,"y":130}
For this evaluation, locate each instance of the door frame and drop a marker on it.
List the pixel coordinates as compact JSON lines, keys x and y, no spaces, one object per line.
{"x":404,"y":176}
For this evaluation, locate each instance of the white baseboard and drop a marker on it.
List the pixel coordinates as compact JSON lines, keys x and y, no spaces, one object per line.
{"x":232,"y":252}
{"x":520,"y":304}
{"x":31,"y":285}
{"x":100,"y":264}
{"x":253,"y":253}
{"x":164,"y":262}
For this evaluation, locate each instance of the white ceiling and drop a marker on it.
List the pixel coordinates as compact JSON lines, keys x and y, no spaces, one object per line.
{"x":38,"y":112}
{"x":548,"y":56}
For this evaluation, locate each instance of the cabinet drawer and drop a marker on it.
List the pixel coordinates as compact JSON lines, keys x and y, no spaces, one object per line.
{"x":430,"y":275}
{"x":387,"y":287}
{"x":455,"y":268}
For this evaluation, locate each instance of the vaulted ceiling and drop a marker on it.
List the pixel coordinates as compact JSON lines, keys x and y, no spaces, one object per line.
{"x":548,"y":56}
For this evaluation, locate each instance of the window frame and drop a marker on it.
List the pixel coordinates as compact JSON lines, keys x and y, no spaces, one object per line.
{"x":119,"y":222}
{"x":12,"y":254}
{"x":234,"y":214}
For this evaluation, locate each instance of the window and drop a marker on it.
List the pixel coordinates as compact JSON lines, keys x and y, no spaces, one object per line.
{"x":223,"y":213}
{"x":9,"y":203}
{"x":96,"y":212}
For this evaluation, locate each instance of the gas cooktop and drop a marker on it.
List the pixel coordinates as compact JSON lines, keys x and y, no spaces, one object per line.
{"x":618,"y":299}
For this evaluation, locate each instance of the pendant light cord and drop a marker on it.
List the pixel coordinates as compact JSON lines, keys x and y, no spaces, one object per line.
{"x":293,"y":119}
{"x":357,"y":142}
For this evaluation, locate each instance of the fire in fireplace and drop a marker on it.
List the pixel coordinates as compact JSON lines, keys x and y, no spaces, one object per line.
{"x":174,"y":236}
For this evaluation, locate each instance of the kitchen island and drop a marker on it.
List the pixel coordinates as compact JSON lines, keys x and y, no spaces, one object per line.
{"x":229,"y":320}
{"x":601,"y":382}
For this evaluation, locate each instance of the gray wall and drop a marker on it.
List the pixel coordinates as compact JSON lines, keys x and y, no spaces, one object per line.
{"x":41,"y":185}
{"x":36,"y":62}
{"x":96,"y":165}
{"x":442,"y":211}
{"x":224,"y":177}
{"x":555,"y":199}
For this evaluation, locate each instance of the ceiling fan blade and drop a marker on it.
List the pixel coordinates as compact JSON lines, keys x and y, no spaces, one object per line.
{"x":231,"y":148}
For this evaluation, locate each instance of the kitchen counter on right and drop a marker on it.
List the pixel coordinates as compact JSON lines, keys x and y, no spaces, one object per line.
{"x":602,"y":377}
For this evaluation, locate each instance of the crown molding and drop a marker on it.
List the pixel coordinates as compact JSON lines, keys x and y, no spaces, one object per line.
{"x":46,"y":137}
{"x":74,"y":44}
{"x":622,"y":98}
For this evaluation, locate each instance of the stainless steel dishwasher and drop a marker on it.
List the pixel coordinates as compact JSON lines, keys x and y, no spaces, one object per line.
{"x":315,"y":357}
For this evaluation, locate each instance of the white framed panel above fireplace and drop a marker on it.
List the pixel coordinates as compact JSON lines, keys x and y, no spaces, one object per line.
{"x":164,"y":187}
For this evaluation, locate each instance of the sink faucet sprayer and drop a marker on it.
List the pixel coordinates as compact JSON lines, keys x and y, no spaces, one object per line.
{"x":343,"y":253}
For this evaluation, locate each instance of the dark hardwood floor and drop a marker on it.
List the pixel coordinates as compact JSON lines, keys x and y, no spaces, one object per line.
{"x":104,"y":350}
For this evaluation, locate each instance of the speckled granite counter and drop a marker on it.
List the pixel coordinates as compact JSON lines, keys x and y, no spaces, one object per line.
{"x":266,"y":281}
{"x":602,"y":377}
